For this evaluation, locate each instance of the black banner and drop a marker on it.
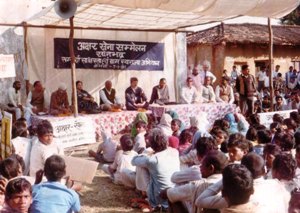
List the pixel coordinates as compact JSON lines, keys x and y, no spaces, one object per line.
{"x":106,"y":54}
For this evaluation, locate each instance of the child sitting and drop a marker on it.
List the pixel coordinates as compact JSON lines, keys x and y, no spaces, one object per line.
{"x":52,"y":196}
{"x":43,"y":148}
{"x":18,"y":196}
{"x":237,"y":149}
{"x":185,"y":139}
{"x":175,"y":126}
{"x":269,"y":153}
{"x":106,"y":151}
{"x":139,"y":140}
{"x":121,"y":170}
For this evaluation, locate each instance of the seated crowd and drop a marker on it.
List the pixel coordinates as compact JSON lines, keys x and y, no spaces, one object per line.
{"x":235,"y":165}
{"x":34,"y":180}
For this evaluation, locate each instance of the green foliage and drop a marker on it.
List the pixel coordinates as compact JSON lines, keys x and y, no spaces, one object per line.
{"x":293,"y":18}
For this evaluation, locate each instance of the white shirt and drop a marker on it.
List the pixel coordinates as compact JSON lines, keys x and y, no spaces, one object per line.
{"x":261,"y":75}
{"x":140,"y":142}
{"x":208,"y":73}
{"x":188,"y":95}
{"x":186,"y":175}
{"x":197,"y":81}
{"x":122,"y":162}
{"x":108,"y":149}
{"x":269,"y":196}
{"x":13,"y":97}
{"x":105,"y":99}
{"x":208,"y":94}
{"x":275,"y":73}
{"x":39,"y":154}
{"x":190,"y":192}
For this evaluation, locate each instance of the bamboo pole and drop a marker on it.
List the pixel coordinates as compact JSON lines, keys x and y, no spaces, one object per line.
{"x":26,"y":56}
{"x":73,"y":67}
{"x":51,"y":26}
{"x":271,"y":62}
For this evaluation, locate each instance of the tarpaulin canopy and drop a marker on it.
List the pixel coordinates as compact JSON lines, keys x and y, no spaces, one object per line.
{"x":162,"y":14}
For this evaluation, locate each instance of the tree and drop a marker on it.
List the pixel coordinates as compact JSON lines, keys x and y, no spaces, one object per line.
{"x":293,"y":18}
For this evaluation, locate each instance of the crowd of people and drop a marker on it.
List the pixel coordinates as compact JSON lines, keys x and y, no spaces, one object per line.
{"x":34,"y":180}
{"x":235,"y":164}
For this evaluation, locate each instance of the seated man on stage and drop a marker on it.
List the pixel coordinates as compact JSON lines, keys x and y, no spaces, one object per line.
{"x":208,"y":93}
{"x":38,"y":99}
{"x":224,"y":92}
{"x":189,"y":93}
{"x":59,"y":103}
{"x":160,"y":93}
{"x":14,"y":100}
{"x":135,"y":96}
{"x":108,"y":99}
{"x":85,"y":101}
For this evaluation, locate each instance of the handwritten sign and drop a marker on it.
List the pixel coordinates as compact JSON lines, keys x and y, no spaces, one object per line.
{"x":7,"y":66}
{"x":106,"y":54}
{"x":266,"y":118}
{"x":74,"y":131}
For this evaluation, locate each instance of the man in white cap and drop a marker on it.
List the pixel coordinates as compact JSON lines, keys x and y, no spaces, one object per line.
{"x":59,"y":103}
{"x":206,"y":72}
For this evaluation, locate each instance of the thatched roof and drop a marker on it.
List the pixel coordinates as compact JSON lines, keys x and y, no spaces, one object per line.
{"x":246,"y":34}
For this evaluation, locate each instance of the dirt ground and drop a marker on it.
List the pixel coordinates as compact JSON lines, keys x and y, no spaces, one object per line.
{"x":102,"y":196}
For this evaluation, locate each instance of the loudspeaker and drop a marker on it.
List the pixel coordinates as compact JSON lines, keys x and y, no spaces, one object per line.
{"x":65,"y":8}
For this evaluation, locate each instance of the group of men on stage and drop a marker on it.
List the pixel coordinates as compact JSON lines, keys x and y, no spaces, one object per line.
{"x":38,"y":101}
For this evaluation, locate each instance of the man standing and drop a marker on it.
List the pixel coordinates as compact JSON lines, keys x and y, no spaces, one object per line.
{"x":261,"y":75}
{"x":160,"y":93}
{"x":206,"y":72}
{"x":197,"y":78}
{"x":108,"y":97}
{"x":245,"y":86}
{"x":289,"y":77}
{"x":135,"y":96}
{"x":275,"y":72}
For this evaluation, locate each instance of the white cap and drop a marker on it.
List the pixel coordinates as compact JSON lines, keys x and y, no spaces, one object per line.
{"x":62,"y":86}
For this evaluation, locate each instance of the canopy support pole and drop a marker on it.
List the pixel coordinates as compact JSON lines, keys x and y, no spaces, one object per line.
{"x":73,"y":67}
{"x":271,"y":62}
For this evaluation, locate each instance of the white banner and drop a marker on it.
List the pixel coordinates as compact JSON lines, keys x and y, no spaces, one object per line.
{"x":7,"y":66}
{"x":266,"y":118}
{"x":74,"y":131}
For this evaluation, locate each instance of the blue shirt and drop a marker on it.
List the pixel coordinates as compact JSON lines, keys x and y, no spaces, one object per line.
{"x":54,"y":197}
{"x":161,"y":167}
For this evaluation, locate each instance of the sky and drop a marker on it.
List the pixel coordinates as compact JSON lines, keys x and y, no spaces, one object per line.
{"x":239,"y":20}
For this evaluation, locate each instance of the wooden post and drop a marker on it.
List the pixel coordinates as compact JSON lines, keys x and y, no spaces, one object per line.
{"x":271,"y":62}
{"x":26,"y":56}
{"x":73,"y":67}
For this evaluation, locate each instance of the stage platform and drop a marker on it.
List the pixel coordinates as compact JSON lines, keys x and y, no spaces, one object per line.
{"x":185,"y":111}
